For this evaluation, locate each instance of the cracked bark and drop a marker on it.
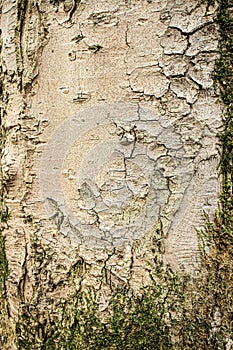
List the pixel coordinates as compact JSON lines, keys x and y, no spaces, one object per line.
{"x":147,"y":66}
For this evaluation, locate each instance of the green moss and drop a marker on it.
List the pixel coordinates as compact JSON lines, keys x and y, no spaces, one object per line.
{"x":3,"y":263}
{"x":143,"y":320}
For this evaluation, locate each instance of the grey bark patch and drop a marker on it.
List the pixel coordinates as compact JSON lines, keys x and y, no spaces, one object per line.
{"x":113,"y":173}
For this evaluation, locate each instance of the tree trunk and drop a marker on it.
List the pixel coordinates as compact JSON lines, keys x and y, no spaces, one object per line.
{"x":109,"y":159}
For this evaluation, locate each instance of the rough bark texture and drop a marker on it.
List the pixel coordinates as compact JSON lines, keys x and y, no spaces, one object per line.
{"x":110,"y":150}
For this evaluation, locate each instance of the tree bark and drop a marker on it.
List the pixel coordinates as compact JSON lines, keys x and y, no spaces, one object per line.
{"x":109,"y":121}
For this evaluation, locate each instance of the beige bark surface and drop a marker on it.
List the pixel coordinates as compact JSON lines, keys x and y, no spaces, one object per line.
{"x":110,"y":156}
